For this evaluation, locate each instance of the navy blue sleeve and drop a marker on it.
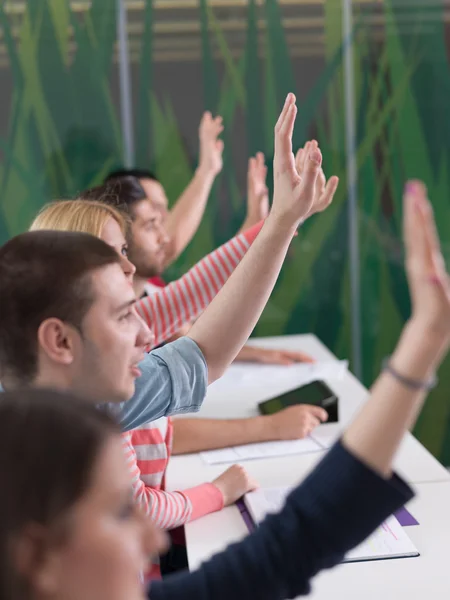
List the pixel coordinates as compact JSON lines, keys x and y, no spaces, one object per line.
{"x":337,"y":507}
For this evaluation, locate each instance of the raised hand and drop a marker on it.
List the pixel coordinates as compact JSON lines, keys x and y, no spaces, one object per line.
{"x":211,"y":147}
{"x":257,"y":191}
{"x":429,"y":283}
{"x":294,"y":194}
{"x":325,"y":190}
{"x":234,"y":483}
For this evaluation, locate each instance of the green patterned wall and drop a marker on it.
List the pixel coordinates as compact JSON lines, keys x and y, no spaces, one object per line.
{"x":61,"y":132}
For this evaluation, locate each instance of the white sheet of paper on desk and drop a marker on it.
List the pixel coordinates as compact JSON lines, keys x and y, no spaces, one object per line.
{"x":263,"y":450}
{"x":388,"y":541}
{"x":299,"y":374}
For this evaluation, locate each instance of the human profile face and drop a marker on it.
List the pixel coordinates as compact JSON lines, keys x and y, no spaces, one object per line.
{"x":107,"y":542}
{"x":113,"y":236}
{"x":157,"y":196}
{"x":148,"y":240}
{"x":112,"y":341}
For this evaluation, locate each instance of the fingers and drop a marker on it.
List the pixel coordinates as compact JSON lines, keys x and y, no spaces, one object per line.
{"x":312,"y":168}
{"x":212,"y":127}
{"x":290,"y":100}
{"x":313,"y":423}
{"x":318,"y":413}
{"x":434,"y":259}
{"x":302,"y":154}
{"x":413,"y":230}
{"x":283,"y":135}
{"x":297,"y":357}
{"x":328,"y":193}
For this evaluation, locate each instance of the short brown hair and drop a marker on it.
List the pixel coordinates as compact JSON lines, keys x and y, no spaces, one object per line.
{"x":44,"y":274}
{"x":121,"y":193}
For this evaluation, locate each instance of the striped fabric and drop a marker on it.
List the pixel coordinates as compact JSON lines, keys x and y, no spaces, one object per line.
{"x":147,"y":451}
{"x":169,"y":308}
{"x":148,"y":448}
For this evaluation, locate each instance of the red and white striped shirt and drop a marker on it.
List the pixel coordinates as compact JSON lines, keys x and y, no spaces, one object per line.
{"x":148,"y":448}
{"x":169,"y":308}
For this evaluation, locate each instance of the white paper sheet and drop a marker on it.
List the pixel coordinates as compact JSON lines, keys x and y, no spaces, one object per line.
{"x":240,"y":375}
{"x":263,"y":450}
{"x":388,"y":541}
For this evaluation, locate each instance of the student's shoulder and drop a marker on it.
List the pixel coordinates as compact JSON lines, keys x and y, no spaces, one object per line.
{"x":183,"y":349}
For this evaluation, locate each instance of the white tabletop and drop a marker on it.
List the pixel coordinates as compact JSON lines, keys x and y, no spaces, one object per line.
{"x":238,"y":396}
{"x":413,"y":578}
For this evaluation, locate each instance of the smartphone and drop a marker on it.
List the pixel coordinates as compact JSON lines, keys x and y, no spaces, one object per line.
{"x":317,"y":393}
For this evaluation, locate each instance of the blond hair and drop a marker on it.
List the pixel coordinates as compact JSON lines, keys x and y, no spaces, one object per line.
{"x":86,"y":216}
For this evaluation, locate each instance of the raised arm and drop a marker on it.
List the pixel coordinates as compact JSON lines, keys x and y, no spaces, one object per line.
{"x":352,"y":490}
{"x":183,"y":300}
{"x":185,"y":217}
{"x":225,"y":326}
{"x":399,"y":392}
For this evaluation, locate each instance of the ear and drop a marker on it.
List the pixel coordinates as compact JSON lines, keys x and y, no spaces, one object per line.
{"x":57,"y":340}
{"x":36,"y":560}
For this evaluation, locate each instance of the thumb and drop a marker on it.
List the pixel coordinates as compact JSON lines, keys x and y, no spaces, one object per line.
{"x":312,"y":168}
{"x":319,"y":412}
{"x":219,"y":146}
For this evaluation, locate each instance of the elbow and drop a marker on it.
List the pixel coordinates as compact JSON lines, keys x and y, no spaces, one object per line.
{"x":215,"y":373}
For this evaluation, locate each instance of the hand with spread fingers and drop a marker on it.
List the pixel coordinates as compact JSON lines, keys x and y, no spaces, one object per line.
{"x":325,"y":190}
{"x":295,"y":194}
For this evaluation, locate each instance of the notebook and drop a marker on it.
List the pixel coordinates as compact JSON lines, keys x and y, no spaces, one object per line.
{"x":387,"y":542}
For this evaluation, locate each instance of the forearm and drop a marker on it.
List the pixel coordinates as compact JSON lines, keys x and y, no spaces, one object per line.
{"x":183,"y":300}
{"x":185,"y":217}
{"x":377,"y":431}
{"x":227,"y":323}
{"x":196,"y":435}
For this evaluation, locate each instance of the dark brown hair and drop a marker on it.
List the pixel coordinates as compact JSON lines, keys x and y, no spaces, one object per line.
{"x":138,"y":173}
{"x":49,"y":444}
{"x":122,"y":193}
{"x":44,"y":274}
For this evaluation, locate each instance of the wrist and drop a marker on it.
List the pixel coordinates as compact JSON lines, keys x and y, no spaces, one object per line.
{"x":419,"y":351}
{"x":269,"y":428}
{"x":205,"y":173}
{"x":281,"y":224}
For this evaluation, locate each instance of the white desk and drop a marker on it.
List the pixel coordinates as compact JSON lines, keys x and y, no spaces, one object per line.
{"x":414,"y":578}
{"x":214,"y":532}
{"x":240,"y":399}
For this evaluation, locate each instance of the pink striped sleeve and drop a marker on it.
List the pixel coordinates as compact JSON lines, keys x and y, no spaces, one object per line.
{"x":171,"y":509}
{"x":183,"y":300}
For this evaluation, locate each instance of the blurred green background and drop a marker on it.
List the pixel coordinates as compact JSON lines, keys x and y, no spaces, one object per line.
{"x":61,"y":131}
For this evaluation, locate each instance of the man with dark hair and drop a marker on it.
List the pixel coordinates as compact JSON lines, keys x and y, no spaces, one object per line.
{"x":171,"y":379}
{"x":62,"y":306}
{"x":148,"y":238}
{"x":183,"y":220}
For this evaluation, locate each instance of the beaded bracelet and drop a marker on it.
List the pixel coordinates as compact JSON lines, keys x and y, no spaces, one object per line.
{"x":414,"y":384}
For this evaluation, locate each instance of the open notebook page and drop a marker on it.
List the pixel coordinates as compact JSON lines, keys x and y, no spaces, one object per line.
{"x":388,"y":541}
